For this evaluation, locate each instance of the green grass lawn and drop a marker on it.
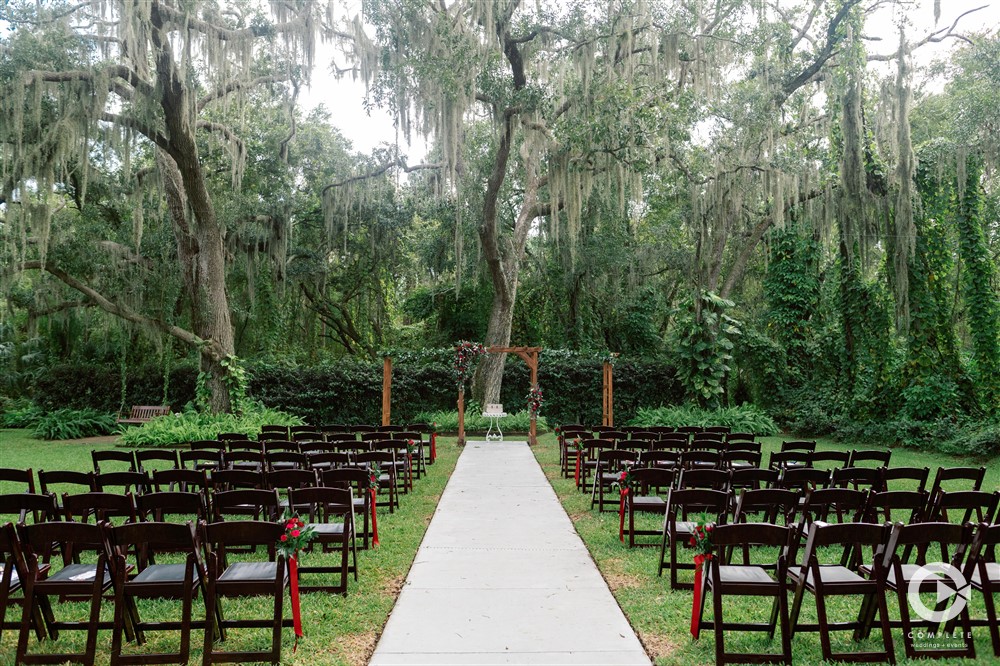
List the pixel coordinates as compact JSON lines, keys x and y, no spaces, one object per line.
{"x":338,"y":630}
{"x":662,"y":617}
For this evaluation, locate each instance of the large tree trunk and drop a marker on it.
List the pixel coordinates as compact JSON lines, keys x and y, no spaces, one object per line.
{"x":489,"y":372}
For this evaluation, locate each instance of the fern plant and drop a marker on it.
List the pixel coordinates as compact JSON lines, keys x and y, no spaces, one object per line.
{"x":74,"y":424}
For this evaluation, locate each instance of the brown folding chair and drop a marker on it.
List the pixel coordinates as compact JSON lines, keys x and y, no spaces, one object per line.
{"x":154,"y":581}
{"x":14,"y":571}
{"x":331,"y":515}
{"x":678,"y":529}
{"x":652,"y":484}
{"x":172,"y":506}
{"x":12,"y":475}
{"x":256,"y":578}
{"x":41,"y":507}
{"x":356,"y":480}
{"x":89,"y":581}
{"x":723,"y":579}
{"x":825,"y":581}
{"x":983,"y":573}
{"x":181,"y":480}
{"x":145,"y":460}
{"x":894,"y":477}
{"x":387,"y":474}
{"x":610,"y":465}
{"x":123,"y":458}
{"x":258,"y":503}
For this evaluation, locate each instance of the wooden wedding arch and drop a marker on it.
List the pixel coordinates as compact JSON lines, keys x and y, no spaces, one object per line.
{"x":530,"y":356}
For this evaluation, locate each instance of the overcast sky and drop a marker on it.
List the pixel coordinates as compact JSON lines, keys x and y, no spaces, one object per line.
{"x":344,"y":98}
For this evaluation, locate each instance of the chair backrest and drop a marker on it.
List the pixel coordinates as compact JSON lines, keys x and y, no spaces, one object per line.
{"x":804,"y":478}
{"x":278,"y":459}
{"x":244,"y":459}
{"x":755,"y":477}
{"x":794,"y":458}
{"x":846,"y":504}
{"x":808,"y":445}
{"x":308,"y":436}
{"x":230,"y":479}
{"x":743,"y":445}
{"x":13,"y":475}
{"x":41,"y":506}
{"x":660,"y":458}
{"x":722,"y":430}
{"x":284,"y":445}
{"x":759,"y":534}
{"x":701,"y":458}
{"x":740,"y":437}
{"x":690,"y":430}
{"x":79,"y":480}
{"x":234,"y":445}
{"x":338,"y":437}
{"x":922,"y":536}
{"x":882,"y":504}
{"x":673,"y":440}
{"x":652,"y":480}
{"x":202,"y":459}
{"x":102,"y":505}
{"x":323,"y":503}
{"x":391,"y":428}
{"x":828,"y":459}
{"x":617,"y":459}
{"x":323,"y":460}
{"x":145,"y":459}
{"x":879,"y":457}
{"x":207,"y":444}
{"x":153,"y":537}
{"x":642,"y":434}
{"x":263,"y":504}
{"x":267,"y":430}
{"x":361,"y":428}
{"x":773,"y":502}
{"x":893,"y":477}
{"x":685,"y":501}
{"x":592,"y":447}
{"x":38,"y":540}
{"x":714,"y":479}
{"x":854,"y":537}
{"x":126,"y":458}
{"x":180,"y":479}
{"x":733,"y":456}
{"x":982,"y":552}
{"x":384,"y":458}
{"x":978,"y":502}
{"x":232,"y":437}
{"x":345,"y":477}
{"x":707,"y":439}
{"x":218,"y":536}
{"x":375,"y":436}
{"x":185,"y":505}
{"x":282,"y":479}
{"x":425,"y":428}
{"x":971,"y":478}
{"x":135,"y":482}
{"x":871,"y":477}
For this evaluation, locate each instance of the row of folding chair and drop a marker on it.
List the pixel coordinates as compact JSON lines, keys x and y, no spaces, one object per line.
{"x":865,"y":559}
{"x":133,"y":562}
{"x":688,"y":430}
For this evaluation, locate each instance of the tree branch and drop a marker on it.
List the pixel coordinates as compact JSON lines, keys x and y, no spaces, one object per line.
{"x":233,"y":86}
{"x":379,"y":170}
{"x":932,"y":38}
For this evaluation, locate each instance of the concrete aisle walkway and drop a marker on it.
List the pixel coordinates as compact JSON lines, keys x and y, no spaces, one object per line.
{"x":503,"y":578}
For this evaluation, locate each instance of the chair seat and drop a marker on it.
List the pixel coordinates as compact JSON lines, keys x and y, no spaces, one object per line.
{"x":249,"y":572}
{"x":648,"y":502}
{"x":744,"y":574}
{"x":834,"y":573}
{"x":78,"y":573}
{"x":328,"y":528}
{"x":161,"y":573}
{"x":15,"y":582}
{"x":992,"y":572}
{"x":909,"y":571}
{"x":684,"y":527}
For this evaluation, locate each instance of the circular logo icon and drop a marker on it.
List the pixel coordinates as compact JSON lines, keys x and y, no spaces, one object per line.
{"x":949,"y":586}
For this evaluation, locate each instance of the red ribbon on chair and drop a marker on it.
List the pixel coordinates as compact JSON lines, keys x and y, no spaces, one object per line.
{"x":434,"y":449}
{"x":576,"y":475}
{"x":696,"y":604}
{"x":374,"y":492}
{"x":293,"y":574}
{"x":409,"y":470}
{"x":621,"y":515}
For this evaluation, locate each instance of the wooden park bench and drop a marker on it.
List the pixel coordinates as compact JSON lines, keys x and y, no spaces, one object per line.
{"x":143,"y":413}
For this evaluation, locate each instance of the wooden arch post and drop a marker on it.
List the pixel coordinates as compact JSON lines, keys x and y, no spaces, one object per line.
{"x":386,"y":390}
{"x":608,"y":410}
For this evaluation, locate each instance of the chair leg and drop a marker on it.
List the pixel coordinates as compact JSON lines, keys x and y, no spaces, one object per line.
{"x":786,"y":630}
{"x":663,"y":549}
{"x":95,"y":613}
{"x":793,"y":619}
{"x":991,"y":616}
{"x":279,"y":600}
{"x":720,"y":635}
{"x":824,"y":629}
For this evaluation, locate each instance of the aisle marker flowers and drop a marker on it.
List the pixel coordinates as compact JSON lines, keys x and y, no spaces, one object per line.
{"x":701,"y":541}
{"x":295,"y":538}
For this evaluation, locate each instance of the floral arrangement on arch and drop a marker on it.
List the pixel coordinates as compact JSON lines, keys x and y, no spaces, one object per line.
{"x":535,"y":400}
{"x":466,"y":354}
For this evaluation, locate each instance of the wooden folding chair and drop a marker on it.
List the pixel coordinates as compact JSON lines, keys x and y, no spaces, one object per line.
{"x":653,"y":483}
{"x":610,"y":465}
{"x":242,"y":579}
{"x":824,"y":581}
{"x":330,"y":513}
{"x":146,"y":460}
{"x":983,"y":573}
{"x":356,"y":480}
{"x":724,"y":579}
{"x":678,"y":529}
{"x":89,"y":581}
{"x":13,"y":572}
{"x":18,"y":476}
{"x":122,"y":458}
{"x":154,"y":581}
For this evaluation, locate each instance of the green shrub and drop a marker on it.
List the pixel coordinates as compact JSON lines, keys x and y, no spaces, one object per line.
{"x":745,"y":418}
{"x":189,"y":425}
{"x":74,"y":424}
{"x":21,"y":414}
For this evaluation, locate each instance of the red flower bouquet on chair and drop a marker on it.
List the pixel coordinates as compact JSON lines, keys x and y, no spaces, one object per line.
{"x":701,"y":542}
{"x":295,"y":538}
{"x":625,"y":485}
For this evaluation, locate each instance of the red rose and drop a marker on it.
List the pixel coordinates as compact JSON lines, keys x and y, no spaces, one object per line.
{"x":708,"y":529}
{"x":284,"y":537}
{"x":299,"y":523}
{"x":295,"y":533}
{"x":691,"y":542}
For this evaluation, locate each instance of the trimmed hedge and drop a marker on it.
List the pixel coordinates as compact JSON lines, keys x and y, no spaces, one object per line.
{"x":350,"y":390}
